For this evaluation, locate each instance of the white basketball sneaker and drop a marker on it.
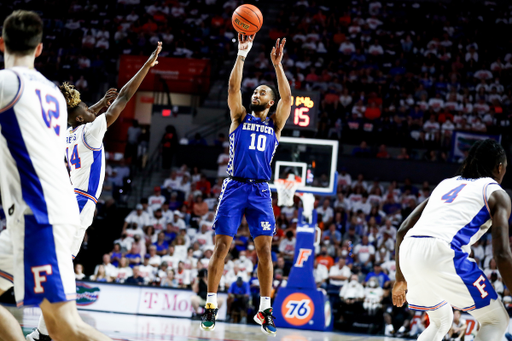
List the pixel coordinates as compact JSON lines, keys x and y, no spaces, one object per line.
{"x":36,"y":336}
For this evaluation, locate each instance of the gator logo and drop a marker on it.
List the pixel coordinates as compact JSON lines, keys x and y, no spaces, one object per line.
{"x":242,"y":24}
{"x":85,"y":294}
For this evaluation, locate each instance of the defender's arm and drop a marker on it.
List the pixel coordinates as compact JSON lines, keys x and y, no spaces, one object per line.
{"x":285,"y":103}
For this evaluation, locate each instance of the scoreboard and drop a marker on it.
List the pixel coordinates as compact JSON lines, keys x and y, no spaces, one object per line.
{"x":304,"y":112}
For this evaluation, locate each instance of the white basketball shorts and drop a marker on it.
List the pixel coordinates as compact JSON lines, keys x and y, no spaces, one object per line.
{"x":438,"y":273}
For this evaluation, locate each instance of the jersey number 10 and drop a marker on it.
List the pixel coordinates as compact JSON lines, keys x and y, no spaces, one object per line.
{"x":262,"y":139}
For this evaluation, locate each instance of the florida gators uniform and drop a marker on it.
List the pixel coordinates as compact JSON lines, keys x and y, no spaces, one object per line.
{"x":86,"y":161}
{"x":434,"y":255}
{"x":246,"y":191}
{"x":42,"y":214}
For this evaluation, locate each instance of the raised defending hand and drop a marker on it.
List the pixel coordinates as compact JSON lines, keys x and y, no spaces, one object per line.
{"x":109,"y":97}
{"x":398,"y":294}
{"x":277,"y":52}
{"x":245,"y":44}
{"x":152,"y":61}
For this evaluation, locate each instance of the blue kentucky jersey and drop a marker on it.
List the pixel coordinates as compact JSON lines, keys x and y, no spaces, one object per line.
{"x":251,"y":148}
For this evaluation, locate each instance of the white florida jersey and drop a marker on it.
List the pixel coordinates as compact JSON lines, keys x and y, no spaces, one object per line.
{"x":86,"y":157}
{"x":33,"y":176}
{"x":457,"y":212}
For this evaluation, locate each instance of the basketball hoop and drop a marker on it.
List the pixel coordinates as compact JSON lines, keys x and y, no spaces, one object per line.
{"x":286,"y":189}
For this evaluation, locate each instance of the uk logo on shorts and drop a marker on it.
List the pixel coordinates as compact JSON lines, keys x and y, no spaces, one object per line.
{"x":265,"y":225}
{"x":298,"y":309}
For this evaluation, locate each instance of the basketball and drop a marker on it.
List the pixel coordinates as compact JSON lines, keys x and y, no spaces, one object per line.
{"x":247,"y":19}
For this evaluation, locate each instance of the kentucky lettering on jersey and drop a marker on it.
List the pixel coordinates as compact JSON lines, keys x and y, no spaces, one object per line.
{"x":86,"y":157}
{"x":33,"y":178}
{"x":457,"y":212}
{"x":251,"y":148}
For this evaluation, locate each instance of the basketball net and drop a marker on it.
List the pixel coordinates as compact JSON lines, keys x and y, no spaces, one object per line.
{"x":286,"y":189}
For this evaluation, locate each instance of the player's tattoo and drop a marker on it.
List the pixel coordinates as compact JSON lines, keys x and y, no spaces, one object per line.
{"x":242,"y":59}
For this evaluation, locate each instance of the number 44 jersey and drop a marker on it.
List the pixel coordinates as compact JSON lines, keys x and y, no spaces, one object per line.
{"x":86,"y":157}
{"x":251,"y":148}
{"x":457,"y":212}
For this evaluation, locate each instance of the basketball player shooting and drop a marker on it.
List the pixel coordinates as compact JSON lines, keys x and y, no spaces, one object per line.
{"x":253,"y":139}
{"x":85,"y":153}
{"x":433,"y":268}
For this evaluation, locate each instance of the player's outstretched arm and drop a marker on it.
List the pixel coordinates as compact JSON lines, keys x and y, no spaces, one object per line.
{"x":400,"y":287}
{"x":285,"y":103}
{"x":131,"y":87}
{"x":499,"y":205}
{"x":236,"y":109}
{"x":109,"y":97}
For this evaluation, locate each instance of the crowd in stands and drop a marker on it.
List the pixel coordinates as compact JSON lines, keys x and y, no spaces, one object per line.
{"x":83,"y":47}
{"x":403,"y":74}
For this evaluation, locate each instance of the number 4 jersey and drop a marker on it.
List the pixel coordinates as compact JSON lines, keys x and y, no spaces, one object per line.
{"x":86,"y":157}
{"x":33,"y":176}
{"x":457,"y":212}
{"x":251,"y":148}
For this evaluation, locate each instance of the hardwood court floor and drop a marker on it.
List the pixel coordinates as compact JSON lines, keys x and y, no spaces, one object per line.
{"x":123,"y":327}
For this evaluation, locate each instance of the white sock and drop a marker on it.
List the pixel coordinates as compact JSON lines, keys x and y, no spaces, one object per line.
{"x":264,"y":303}
{"x":42,"y":326}
{"x":211,"y":297}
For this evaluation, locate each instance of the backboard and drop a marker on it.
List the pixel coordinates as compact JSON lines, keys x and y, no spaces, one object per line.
{"x":313,"y":160}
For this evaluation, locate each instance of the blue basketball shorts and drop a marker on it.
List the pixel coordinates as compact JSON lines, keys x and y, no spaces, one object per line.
{"x":253,"y":200}
{"x":35,"y":259}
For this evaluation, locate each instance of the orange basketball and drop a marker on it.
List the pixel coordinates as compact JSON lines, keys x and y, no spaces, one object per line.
{"x":247,"y":19}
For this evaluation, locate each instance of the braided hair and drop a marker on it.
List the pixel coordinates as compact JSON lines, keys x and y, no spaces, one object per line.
{"x":483,"y":158}
{"x":72,"y":97}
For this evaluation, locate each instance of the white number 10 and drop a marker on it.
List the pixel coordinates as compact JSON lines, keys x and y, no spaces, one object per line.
{"x":261,"y":142}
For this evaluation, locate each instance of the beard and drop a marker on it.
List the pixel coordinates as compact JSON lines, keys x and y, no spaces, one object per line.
{"x":258,"y":107}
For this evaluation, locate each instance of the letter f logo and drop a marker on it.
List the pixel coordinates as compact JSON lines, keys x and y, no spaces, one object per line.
{"x":303,"y":257}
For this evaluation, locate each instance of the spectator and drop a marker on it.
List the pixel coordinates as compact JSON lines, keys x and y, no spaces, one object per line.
{"x":238,"y":299}
{"x":138,"y":219}
{"x":182,"y":276}
{"x":324,"y":258}
{"x":205,"y":237}
{"x":458,"y":329}
{"x":101,"y":275}
{"x":154,"y":259}
{"x":147,"y":271}
{"x":198,"y":140}
{"x":287,"y":247}
{"x":110,"y":270}
{"x":321,"y":274}
{"x":161,"y":245}
{"x":364,"y":255}
{"x":373,"y":295}
{"x":338,"y":275}
{"x":133,"y":257}
{"x":116,"y":255}
{"x":223,"y":161}
{"x":156,"y":200}
{"x":79,"y":272}
{"x":172,"y":182}
{"x":169,"y":281}
{"x":204,"y":186}
{"x":326,"y":211}
{"x":171,"y":260}
{"x":124,"y":271}
{"x":351,"y":296}
{"x":384,"y":281}
{"x":136,"y":278}
{"x":158,"y":221}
